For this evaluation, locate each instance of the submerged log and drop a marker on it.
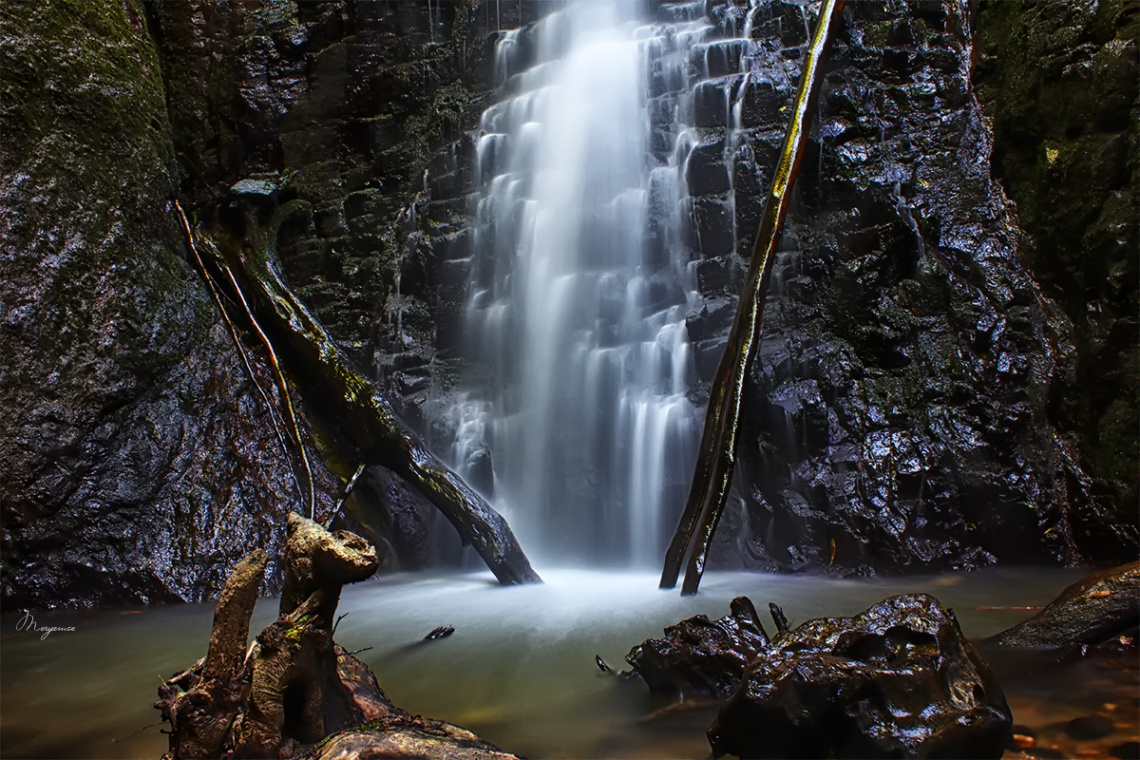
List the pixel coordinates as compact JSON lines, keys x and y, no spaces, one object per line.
{"x":717,"y":457}
{"x":326,"y":377}
{"x":409,"y":737}
{"x":1092,"y":611}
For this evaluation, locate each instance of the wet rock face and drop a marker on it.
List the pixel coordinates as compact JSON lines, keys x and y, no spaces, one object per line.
{"x":344,"y":130}
{"x":137,"y":461}
{"x":906,"y":408}
{"x":360,"y":113}
{"x":1062,"y":85}
{"x":898,"y":680}
{"x":699,"y":657}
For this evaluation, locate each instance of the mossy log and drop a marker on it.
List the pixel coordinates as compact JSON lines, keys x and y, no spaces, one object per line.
{"x":713,"y":473}
{"x":327,"y":378}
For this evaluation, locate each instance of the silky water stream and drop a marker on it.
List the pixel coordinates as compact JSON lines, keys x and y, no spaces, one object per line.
{"x":579,"y":287}
{"x":519,"y":669}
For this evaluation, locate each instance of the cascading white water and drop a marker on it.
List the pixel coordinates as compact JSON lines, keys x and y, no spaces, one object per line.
{"x":580,"y":287}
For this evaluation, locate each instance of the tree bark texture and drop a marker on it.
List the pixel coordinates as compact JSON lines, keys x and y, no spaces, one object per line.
{"x":202,"y":702}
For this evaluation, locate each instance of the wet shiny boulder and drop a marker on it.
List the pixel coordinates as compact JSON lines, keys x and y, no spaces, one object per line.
{"x":898,"y":680}
{"x":699,"y":657}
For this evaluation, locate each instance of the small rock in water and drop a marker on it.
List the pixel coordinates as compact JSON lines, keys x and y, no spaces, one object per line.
{"x":1126,"y":751}
{"x":442,"y":632}
{"x":1023,"y":738}
{"x":1089,"y":727}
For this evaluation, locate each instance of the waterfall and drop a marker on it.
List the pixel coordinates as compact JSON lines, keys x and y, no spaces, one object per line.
{"x":581,"y":280}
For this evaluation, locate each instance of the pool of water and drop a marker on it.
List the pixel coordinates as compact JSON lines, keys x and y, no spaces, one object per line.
{"x":519,"y":669}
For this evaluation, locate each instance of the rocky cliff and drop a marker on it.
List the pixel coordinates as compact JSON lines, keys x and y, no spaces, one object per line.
{"x":913,"y":403}
{"x":948,"y":374}
{"x":137,"y":463}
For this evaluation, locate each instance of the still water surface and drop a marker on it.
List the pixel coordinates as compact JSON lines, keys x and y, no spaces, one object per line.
{"x":519,"y":669}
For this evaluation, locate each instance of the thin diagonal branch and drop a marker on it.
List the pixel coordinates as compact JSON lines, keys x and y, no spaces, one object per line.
{"x":713,"y":472}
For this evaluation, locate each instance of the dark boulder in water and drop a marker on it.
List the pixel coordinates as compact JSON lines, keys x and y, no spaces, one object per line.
{"x":899,"y":680}
{"x":700,"y":657}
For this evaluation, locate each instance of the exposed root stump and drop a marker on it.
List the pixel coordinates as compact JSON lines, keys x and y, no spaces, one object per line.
{"x":201,"y":703}
{"x":295,"y":687}
{"x":320,"y":562}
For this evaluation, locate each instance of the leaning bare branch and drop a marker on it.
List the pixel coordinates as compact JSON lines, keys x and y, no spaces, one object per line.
{"x":717,"y":457}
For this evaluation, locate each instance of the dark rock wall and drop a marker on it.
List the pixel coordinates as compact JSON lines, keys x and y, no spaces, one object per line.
{"x":1061,"y":83}
{"x":136,"y":461}
{"x":344,"y":107}
{"x":343,"y":130}
{"x":908,"y":409}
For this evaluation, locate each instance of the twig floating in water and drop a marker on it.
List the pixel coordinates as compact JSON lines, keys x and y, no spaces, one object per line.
{"x":442,"y":632}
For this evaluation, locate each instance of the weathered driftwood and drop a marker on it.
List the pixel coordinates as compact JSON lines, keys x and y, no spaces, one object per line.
{"x":294,"y":687}
{"x":202,"y":702}
{"x":717,"y":456}
{"x":327,"y":378}
{"x":318,"y":563}
{"x":1092,"y":611}
{"x":296,"y":694}
{"x":296,"y":697}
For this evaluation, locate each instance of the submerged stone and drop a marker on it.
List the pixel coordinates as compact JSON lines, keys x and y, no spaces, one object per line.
{"x":899,"y":680}
{"x":407,"y":736}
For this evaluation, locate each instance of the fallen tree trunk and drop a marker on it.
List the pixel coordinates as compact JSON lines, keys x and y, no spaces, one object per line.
{"x":326,"y":375}
{"x":717,"y":456}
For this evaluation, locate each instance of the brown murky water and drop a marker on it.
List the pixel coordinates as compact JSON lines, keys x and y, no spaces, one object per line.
{"x":520,"y":668}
